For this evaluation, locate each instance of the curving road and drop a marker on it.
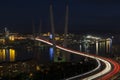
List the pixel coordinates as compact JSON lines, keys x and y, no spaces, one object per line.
{"x":111,"y":67}
{"x":89,"y":72}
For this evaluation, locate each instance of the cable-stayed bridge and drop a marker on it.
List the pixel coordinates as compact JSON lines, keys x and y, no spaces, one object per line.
{"x":110,"y":70}
{"x":111,"y":67}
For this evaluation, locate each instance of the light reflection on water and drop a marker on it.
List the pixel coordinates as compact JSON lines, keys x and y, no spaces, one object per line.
{"x":7,"y":55}
{"x":98,"y":48}
{"x":51,"y":53}
{"x":41,"y":55}
{"x":13,"y":55}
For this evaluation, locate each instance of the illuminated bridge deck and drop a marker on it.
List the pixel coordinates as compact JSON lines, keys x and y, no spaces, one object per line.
{"x":107,"y":73}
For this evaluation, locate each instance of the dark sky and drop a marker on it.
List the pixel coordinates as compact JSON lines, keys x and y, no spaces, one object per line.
{"x":88,"y":15}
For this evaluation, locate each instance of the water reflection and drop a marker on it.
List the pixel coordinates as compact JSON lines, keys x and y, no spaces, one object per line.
{"x":97,"y":47}
{"x":51,"y":53}
{"x":7,"y":55}
{"x":12,"y":54}
{"x":41,"y":55}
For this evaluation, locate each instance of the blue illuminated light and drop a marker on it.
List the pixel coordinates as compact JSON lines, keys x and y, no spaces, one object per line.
{"x":51,"y":52}
{"x":51,"y":36}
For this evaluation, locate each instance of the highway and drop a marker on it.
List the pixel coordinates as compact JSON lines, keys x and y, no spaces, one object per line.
{"x":111,"y":67}
{"x":89,"y":72}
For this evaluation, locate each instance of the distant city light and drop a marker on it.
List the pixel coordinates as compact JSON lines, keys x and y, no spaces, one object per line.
{"x":51,"y":36}
{"x":93,"y":37}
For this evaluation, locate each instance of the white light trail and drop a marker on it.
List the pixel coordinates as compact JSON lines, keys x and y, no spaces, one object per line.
{"x":99,"y":64}
{"x":103,"y":72}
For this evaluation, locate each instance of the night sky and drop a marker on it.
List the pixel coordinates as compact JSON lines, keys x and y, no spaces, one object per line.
{"x":84,"y":15}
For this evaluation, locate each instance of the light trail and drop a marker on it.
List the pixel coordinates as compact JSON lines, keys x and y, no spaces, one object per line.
{"x":113,"y":72}
{"x":106,"y":70}
{"x":105,"y":74}
{"x":98,"y":66}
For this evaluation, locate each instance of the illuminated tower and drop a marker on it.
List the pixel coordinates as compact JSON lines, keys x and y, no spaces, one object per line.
{"x":58,"y":56}
{"x":52,"y":24}
{"x":40,"y":28}
{"x":64,"y":54}
{"x":66,"y":26}
{"x":52,"y":28}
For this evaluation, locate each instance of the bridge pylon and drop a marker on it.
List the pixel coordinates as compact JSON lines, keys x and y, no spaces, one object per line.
{"x":40,"y":29}
{"x":66,"y":26}
{"x":52,"y":24}
{"x":52,"y":28}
